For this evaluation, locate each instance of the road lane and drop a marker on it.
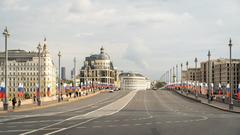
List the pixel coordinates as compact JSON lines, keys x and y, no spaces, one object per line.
{"x":162,"y":112}
{"x":148,"y":113}
{"x":45,"y":117}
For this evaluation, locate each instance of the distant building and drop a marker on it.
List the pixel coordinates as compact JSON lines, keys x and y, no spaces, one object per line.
{"x":97,"y":69}
{"x":63,"y":73}
{"x":134,"y":81}
{"x":23,"y":70}
{"x":72,"y":74}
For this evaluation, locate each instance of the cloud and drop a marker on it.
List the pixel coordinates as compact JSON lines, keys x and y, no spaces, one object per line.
{"x":138,"y":53}
{"x":79,"y":6}
{"x":80,"y":35}
{"x":13,"y":5}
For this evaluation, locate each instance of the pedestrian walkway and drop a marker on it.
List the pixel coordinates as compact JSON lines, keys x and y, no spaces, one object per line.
{"x":215,"y":104}
{"x":46,"y":104}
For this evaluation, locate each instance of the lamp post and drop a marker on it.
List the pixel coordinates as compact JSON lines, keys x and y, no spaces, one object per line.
{"x":39,"y":75}
{"x":74,"y":72}
{"x":59,"y":79}
{"x":187,"y":76}
{"x":177,"y":73}
{"x":170,"y":75}
{"x":174,"y":76}
{"x":195,"y":79}
{"x":209,"y":55}
{"x":230,"y":75}
{"x":5,"y":101}
{"x":181,"y":73}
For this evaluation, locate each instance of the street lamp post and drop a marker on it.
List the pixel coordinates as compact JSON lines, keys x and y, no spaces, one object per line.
{"x":174,"y":76}
{"x":177,"y":73}
{"x":5,"y":101}
{"x":230,"y":75}
{"x":59,"y":79}
{"x":187,"y":76}
{"x":209,"y":55}
{"x":195,"y":79}
{"x":39,"y":75}
{"x":181,"y":73}
{"x":74,"y":72}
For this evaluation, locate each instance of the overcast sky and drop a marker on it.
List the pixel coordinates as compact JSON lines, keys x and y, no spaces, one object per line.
{"x":146,"y":36}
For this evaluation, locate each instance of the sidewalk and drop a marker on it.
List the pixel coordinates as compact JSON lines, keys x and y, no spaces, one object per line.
{"x":46,"y":104}
{"x":215,"y":104}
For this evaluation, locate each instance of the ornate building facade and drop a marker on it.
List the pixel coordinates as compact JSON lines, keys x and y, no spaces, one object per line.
{"x":97,"y":70}
{"x":23,"y":71}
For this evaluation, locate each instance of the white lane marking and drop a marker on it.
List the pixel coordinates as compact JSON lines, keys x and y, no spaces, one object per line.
{"x":96,"y":126}
{"x":124,"y":125}
{"x":145,"y":106}
{"x":30,"y":122}
{"x":109,"y":109}
{"x":57,"y":131}
{"x":138,"y":124}
{"x":81,"y":127}
{"x":9,"y":131}
{"x":51,"y":113}
{"x":11,"y":126}
{"x":62,"y":129}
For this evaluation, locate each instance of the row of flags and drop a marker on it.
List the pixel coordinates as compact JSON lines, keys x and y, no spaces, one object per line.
{"x":21,"y":90}
{"x":69,"y":88}
{"x":203,"y":88}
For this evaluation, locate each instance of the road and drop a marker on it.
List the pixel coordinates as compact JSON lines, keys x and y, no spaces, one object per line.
{"x":145,"y":112}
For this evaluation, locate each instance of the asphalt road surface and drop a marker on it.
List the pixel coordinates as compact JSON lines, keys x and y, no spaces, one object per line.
{"x":145,"y":112}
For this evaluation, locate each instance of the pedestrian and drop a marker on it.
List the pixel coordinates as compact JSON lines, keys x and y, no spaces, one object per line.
{"x":34,"y":99}
{"x":19,"y":102}
{"x":223,"y":98}
{"x":14,"y":101}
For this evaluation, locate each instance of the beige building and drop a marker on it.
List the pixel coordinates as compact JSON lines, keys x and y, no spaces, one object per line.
{"x":23,"y":69}
{"x":97,"y":70}
{"x":204,"y":70}
{"x":134,"y":81}
{"x":192,"y":74}
{"x":219,"y":72}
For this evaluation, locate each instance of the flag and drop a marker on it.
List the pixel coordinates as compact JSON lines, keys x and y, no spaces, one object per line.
{"x":228,"y":90}
{"x":238,"y":93}
{"x":219,"y":89}
{"x":38,"y":91}
{"x":48,"y":90}
{"x":20,"y":90}
{"x":1,"y":93}
{"x":212,"y":89}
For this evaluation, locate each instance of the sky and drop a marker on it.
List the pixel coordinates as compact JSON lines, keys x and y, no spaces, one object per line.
{"x":144,"y":36}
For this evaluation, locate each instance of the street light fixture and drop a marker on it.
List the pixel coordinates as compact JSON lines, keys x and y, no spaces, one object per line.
{"x":230,"y":75}
{"x":39,"y":75}
{"x":5,"y":101}
{"x":59,"y":77}
{"x":209,"y":97}
{"x":195,"y":79}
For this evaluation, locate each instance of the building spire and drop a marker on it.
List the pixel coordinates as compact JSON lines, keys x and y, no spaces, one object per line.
{"x":102,"y":50}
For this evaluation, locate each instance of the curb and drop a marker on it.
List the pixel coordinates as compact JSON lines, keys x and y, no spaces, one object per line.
{"x":214,"y":106}
{"x":220,"y":108}
{"x":194,"y":99}
{"x":54,"y":104}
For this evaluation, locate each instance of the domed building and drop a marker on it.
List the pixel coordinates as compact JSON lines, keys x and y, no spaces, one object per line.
{"x":133,"y":81}
{"x":97,"y":70}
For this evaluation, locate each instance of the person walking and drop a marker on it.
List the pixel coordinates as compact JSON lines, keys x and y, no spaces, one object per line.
{"x":14,"y":101}
{"x":19,"y":102}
